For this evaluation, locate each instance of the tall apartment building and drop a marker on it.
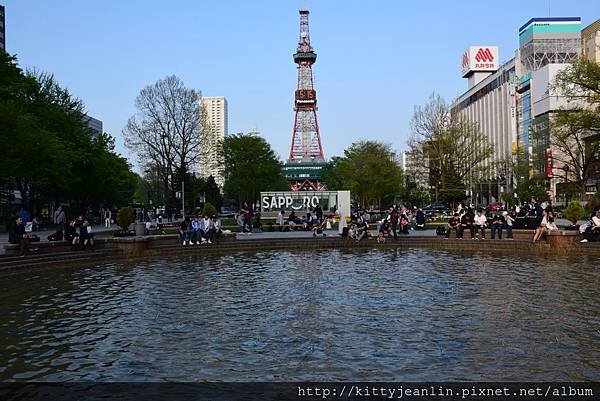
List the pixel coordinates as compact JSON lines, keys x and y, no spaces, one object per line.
{"x":415,"y":169}
{"x":590,"y":41}
{"x":2,"y":28}
{"x":211,"y":162}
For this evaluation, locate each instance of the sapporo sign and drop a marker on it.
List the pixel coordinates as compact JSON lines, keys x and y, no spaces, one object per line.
{"x":273,"y":202}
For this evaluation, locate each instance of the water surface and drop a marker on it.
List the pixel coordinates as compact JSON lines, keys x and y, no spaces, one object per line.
{"x":368,"y":315}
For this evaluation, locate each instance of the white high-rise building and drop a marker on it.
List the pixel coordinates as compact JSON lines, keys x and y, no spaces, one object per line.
{"x":211,"y":162}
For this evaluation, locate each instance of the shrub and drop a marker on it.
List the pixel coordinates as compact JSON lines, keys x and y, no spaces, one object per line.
{"x":125,"y":217}
{"x":574,"y":212}
{"x":209,"y":210}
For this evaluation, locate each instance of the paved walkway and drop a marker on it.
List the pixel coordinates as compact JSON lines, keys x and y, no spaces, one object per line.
{"x":308,"y":234}
{"x":45,"y":233}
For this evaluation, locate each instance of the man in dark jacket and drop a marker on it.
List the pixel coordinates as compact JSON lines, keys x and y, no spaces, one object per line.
{"x":466,"y":223}
{"x":16,"y":235}
{"x":453,"y":224}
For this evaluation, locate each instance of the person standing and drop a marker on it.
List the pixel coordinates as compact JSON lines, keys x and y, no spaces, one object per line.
{"x":107,"y":218}
{"x":280,"y":219}
{"x":319,"y":213}
{"x":247,"y":214}
{"x":508,"y":224}
{"x":60,"y":219}
{"x":394,"y":217}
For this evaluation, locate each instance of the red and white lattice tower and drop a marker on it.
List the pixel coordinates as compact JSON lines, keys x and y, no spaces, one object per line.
{"x":306,"y":141}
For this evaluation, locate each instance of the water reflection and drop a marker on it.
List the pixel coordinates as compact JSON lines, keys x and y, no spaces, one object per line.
{"x":331,"y":315}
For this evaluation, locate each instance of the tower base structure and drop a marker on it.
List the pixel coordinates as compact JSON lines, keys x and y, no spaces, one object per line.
{"x":304,"y":176}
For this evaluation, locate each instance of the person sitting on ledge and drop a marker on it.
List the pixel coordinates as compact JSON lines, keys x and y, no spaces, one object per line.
{"x":71,"y":234}
{"x":542,"y":226}
{"x":16,"y":235}
{"x":497,"y":224}
{"x":205,"y":230}
{"x":184,"y":233}
{"x":480,"y":223}
{"x":215,"y":230}
{"x":361,"y":230}
{"x":85,"y":234}
{"x":196,"y":233}
{"x":319,"y":228}
{"x":591,"y":230}
{"x":292,"y":220}
{"x":466,"y":223}
{"x":453,"y":224}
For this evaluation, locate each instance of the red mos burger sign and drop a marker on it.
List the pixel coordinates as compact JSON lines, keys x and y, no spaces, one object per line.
{"x":479,"y":58}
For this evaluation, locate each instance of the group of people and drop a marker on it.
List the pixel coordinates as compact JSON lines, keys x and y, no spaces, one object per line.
{"x":590,"y":230}
{"x":476,"y":223}
{"x":200,"y":230}
{"x":313,"y":221}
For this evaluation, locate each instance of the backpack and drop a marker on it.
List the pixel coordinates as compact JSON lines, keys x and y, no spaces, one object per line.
{"x":440,"y":230}
{"x":57,"y":236}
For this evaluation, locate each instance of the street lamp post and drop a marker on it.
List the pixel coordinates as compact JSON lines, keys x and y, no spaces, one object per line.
{"x":566,"y":170}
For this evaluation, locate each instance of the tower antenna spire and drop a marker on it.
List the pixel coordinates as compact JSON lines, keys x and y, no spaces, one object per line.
{"x":306,"y":139}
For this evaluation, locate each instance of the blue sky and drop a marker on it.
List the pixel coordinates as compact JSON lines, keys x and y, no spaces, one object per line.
{"x":376,"y":59}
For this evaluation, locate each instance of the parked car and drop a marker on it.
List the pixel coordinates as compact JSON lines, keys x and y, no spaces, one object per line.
{"x":228,"y":211}
{"x":495,"y":207}
{"x":435,"y":207}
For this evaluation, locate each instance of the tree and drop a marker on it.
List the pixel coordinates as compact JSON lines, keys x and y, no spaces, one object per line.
{"x":574,"y":212}
{"x":575,"y":128}
{"x":166,"y":129}
{"x":49,"y":153}
{"x":370,"y":171}
{"x":330,"y":176}
{"x":250,"y":166}
{"x":209,"y":210}
{"x":446,"y":141}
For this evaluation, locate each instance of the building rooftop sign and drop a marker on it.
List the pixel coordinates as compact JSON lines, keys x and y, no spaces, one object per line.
{"x":480,"y":58}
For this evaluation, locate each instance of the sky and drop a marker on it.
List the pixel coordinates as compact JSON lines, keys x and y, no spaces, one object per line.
{"x":376,"y":59}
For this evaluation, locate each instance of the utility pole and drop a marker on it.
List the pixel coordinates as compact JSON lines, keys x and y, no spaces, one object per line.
{"x":183,"y":199}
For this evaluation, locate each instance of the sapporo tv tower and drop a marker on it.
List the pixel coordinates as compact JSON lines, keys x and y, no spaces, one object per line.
{"x":306,"y":153}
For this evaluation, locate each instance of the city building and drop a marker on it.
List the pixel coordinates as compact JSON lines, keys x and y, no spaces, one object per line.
{"x":2,"y":28}
{"x":513,"y":102}
{"x":546,"y":46}
{"x":415,"y":169}
{"x":590,"y":41}
{"x":590,"y":49}
{"x":490,"y":102}
{"x":95,"y":125}
{"x":211,"y":163}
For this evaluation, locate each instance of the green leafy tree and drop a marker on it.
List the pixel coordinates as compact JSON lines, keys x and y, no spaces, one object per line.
{"x":574,"y":212}
{"x":575,"y":129}
{"x":49,"y":153}
{"x":250,"y":166}
{"x":452,"y":189}
{"x":330,"y":175}
{"x":125,"y":217}
{"x":209,"y":210}
{"x":370,"y":171}
{"x":446,"y":140}
{"x":533,"y":187}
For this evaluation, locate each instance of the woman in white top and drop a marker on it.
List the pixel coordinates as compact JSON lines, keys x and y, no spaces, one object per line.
{"x":539,"y":231}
